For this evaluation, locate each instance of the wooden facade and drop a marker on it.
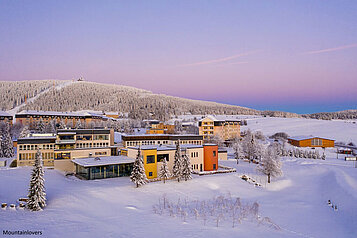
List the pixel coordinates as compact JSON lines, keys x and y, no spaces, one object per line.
{"x":311,"y":141}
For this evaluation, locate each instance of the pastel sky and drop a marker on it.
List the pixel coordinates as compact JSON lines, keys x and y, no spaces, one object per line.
{"x":298,"y":56}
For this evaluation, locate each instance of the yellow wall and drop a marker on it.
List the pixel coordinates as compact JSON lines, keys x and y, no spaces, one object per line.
{"x":227,"y":131}
{"x":152,"y":167}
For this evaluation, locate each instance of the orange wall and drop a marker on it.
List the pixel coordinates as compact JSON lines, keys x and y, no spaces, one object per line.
{"x":209,"y":158}
{"x":308,"y":143}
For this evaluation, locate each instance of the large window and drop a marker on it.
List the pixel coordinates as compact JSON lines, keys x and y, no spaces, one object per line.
{"x":316,"y":141}
{"x":160,"y":158}
{"x":150,"y":159}
{"x":101,"y":137}
{"x":84,"y":137}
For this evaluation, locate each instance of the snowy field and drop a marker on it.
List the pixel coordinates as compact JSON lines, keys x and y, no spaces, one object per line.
{"x":296,"y":202}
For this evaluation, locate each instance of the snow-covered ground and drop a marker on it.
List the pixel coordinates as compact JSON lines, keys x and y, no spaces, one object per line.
{"x":339,"y":130}
{"x":296,"y":202}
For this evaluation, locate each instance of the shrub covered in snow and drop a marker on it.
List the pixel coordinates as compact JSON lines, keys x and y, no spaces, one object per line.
{"x":223,"y":210}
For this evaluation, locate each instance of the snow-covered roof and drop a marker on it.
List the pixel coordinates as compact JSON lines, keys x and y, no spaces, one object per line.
{"x":153,"y":147}
{"x":221,"y":118}
{"x":298,"y":138}
{"x":66,"y":133}
{"x":53,"y":113}
{"x":101,"y":161}
{"x":37,"y":137}
{"x":4,"y":114}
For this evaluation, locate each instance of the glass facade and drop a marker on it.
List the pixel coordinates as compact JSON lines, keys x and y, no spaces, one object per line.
{"x":105,"y":171}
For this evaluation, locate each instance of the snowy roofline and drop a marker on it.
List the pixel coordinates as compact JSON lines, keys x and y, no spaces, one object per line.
{"x":4,"y":114}
{"x":106,"y":160}
{"x":37,"y":137}
{"x":34,"y":112}
{"x":298,"y":138}
{"x":220,"y":118}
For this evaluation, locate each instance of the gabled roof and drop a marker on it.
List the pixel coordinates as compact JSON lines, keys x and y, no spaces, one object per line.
{"x":299,"y":138}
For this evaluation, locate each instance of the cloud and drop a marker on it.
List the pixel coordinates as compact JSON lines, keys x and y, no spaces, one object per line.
{"x":219,"y":60}
{"x":330,"y":49}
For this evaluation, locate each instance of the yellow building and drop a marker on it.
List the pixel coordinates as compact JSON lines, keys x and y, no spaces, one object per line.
{"x":161,"y":128}
{"x":223,"y":128}
{"x":153,"y":157}
{"x":27,"y":148}
{"x":58,"y":150}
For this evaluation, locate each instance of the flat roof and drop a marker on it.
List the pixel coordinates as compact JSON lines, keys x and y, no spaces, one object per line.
{"x":102,"y":161}
{"x":4,"y":114}
{"x":36,"y":140}
{"x":298,"y":138}
{"x":83,"y":131}
{"x":165,"y":147}
{"x":66,"y":133}
{"x":161,"y":137}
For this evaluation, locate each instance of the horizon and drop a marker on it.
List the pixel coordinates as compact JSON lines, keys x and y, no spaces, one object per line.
{"x":282,"y":56}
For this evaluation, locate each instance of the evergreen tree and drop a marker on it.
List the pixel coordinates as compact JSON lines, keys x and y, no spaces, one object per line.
{"x":37,"y":194}
{"x":61,"y":125}
{"x":7,"y":144}
{"x":24,"y":132}
{"x":164,"y":171}
{"x":50,"y":127}
{"x":186,"y":168}
{"x":177,"y":168}
{"x":1,"y":147}
{"x":138,"y":175}
{"x":78,"y":124}
{"x":270,"y":164}
{"x":40,"y":127}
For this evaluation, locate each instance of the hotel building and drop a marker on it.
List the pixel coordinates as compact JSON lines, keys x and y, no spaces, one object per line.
{"x":224,"y":128}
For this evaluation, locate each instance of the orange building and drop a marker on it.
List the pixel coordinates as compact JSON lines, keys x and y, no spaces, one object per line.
{"x":161,"y":128}
{"x":210,"y":157}
{"x":311,"y":141}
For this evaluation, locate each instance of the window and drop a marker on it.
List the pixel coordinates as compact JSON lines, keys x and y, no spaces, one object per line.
{"x":214,"y":166}
{"x":316,"y":141}
{"x":150,"y":174}
{"x":214,"y":153}
{"x":160,"y":158}
{"x":150,"y":159}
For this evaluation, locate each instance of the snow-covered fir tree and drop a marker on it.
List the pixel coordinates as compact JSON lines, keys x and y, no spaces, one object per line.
{"x":24,"y":132}
{"x":7,"y":143}
{"x":238,"y":150}
{"x":177,"y":167}
{"x":138,"y":175}
{"x":251,"y":147}
{"x":78,"y":125}
{"x":61,"y":125}
{"x":50,"y":127}
{"x":270,"y":164}
{"x":40,"y":127}
{"x":164,"y":172}
{"x":1,"y":149}
{"x":37,"y":194}
{"x":186,"y":168}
